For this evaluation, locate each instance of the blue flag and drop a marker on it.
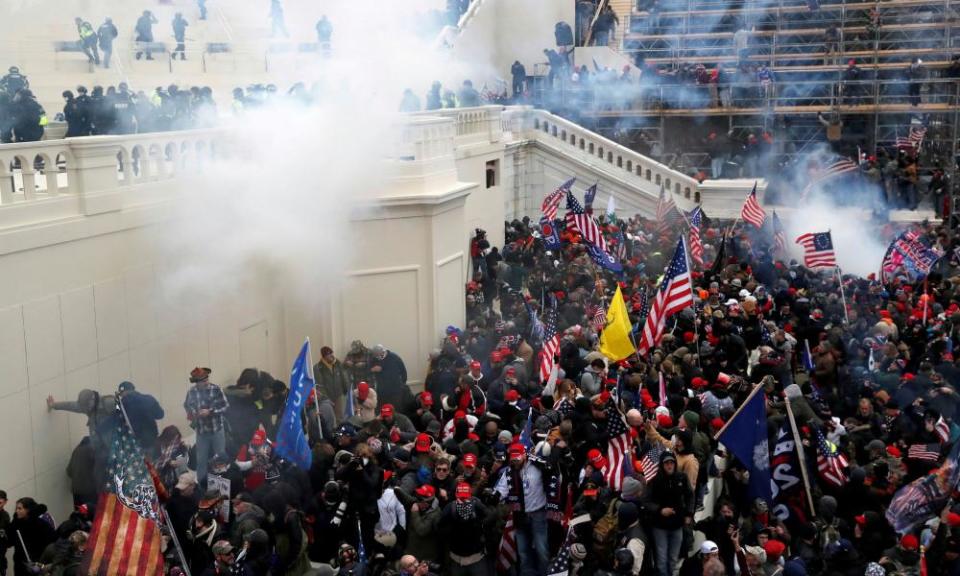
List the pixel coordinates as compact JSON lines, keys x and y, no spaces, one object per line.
{"x":588,"y":197}
{"x":925,"y":497}
{"x":603,"y":259}
{"x":291,"y":441}
{"x":526,"y":436}
{"x":551,"y":236}
{"x":746,"y":437}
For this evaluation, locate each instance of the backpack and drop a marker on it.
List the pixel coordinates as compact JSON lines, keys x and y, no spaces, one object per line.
{"x":605,"y":533}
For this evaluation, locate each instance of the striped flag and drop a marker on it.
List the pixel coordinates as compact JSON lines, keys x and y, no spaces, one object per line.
{"x":668,"y":215}
{"x":914,"y":139}
{"x":838,"y":168}
{"x":551,"y":343}
{"x":507,"y":555}
{"x":598,"y":319}
{"x":581,"y":222}
{"x":751,"y":211}
{"x":817,"y":250}
{"x":924,"y":452}
{"x":779,"y":234}
{"x":663,"y":389}
{"x":552,"y":201}
{"x":618,"y":448}
{"x":831,"y":464}
{"x":675,"y":294}
{"x":125,"y":538}
{"x":696,"y":246}
{"x":650,"y":463}
{"x":942,"y":429}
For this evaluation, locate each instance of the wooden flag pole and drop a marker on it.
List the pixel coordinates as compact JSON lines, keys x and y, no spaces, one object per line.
{"x":803,"y":459}
{"x":843,"y":297}
{"x":753,"y":393}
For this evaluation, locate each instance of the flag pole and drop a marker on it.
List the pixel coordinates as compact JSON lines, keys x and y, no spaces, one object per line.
{"x":316,"y":395}
{"x":753,"y":393}
{"x":803,"y":458}
{"x":843,"y":297}
{"x":696,"y":327}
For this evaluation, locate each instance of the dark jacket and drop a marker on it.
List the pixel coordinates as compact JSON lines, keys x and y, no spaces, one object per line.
{"x":463,"y":533}
{"x":391,"y":380}
{"x":36,"y":533}
{"x":143,"y":410}
{"x":670,"y":491}
{"x":332,"y":381}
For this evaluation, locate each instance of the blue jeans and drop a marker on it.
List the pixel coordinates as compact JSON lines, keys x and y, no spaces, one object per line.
{"x":716,"y":167}
{"x":532,"y":545}
{"x":209,"y":444}
{"x":667,"y":547}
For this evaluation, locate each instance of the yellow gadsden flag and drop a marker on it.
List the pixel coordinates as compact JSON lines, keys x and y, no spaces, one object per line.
{"x":615,"y":341}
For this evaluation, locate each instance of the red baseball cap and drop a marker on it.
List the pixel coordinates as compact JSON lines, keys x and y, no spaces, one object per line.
{"x":259,"y":438}
{"x":510,"y":371}
{"x":386,"y":411}
{"x":464,"y":492}
{"x":909,"y":542}
{"x":459,"y":415}
{"x":426,"y":398}
{"x":596,"y":458}
{"x":516,"y":451}
{"x":426,"y":491}
{"x":474,"y":365}
{"x":362,"y":390}
{"x":423,"y":443}
{"x":470,"y":460}
{"x":511,"y":396}
{"x":495,"y":356}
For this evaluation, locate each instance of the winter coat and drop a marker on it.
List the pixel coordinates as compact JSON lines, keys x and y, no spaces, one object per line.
{"x":423,"y":534}
{"x":670,"y":491}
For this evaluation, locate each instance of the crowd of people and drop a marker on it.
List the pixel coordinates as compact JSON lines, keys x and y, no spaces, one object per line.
{"x":498,"y":465}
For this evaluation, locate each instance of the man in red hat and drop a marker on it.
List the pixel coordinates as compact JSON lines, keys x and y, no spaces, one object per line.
{"x":496,"y":393}
{"x":397,"y":428}
{"x":365,"y":402}
{"x":521,"y":486}
{"x":462,"y":527}
{"x":205,"y":405}
{"x":467,"y":397}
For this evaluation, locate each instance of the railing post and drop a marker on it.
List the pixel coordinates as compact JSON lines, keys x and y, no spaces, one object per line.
{"x":96,"y":176}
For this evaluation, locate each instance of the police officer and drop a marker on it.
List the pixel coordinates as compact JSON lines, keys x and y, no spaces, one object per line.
{"x":71,"y":114}
{"x":97,"y":117}
{"x":88,"y":40}
{"x":13,"y":82}
{"x":106,"y":34}
{"x":179,"y":34}
{"x":144,"y":30}
{"x":123,"y":113}
{"x":84,"y":112}
{"x":29,"y":117}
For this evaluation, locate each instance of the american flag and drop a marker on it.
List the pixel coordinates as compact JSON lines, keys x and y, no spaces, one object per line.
{"x":668,"y":215}
{"x":914,"y":139}
{"x":837,"y":168}
{"x":621,"y":245}
{"x":751,"y":211}
{"x":552,"y":201}
{"x":817,"y":250}
{"x":598,"y":319}
{"x":581,"y":222}
{"x":650,"y":463}
{"x":507,"y":555}
{"x":924,"y":452}
{"x":696,"y":247}
{"x":675,"y":294}
{"x":551,"y":343}
{"x":831,"y":464}
{"x":942,"y":429}
{"x":560,"y":566}
{"x":663,"y":389}
{"x":779,"y":235}
{"x":125,"y":538}
{"x":618,"y":447}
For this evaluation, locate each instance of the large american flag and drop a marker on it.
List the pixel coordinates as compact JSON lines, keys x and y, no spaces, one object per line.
{"x":817,"y":250}
{"x":650,"y":463}
{"x":924,"y":452}
{"x":125,"y":538}
{"x":552,"y":201}
{"x":551,"y":343}
{"x":751,"y":211}
{"x":696,"y":246}
{"x":779,"y":234}
{"x":675,"y":294}
{"x":914,"y":139}
{"x":831,"y":464}
{"x":579,"y":221}
{"x":507,"y":555}
{"x":618,"y":447}
{"x":837,"y":168}
{"x":942,"y":429}
{"x":668,"y":215}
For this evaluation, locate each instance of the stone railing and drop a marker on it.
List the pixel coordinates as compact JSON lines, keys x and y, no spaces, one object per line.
{"x":54,"y":179}
{"x":480,"y":125}
{"x":601,"y":153}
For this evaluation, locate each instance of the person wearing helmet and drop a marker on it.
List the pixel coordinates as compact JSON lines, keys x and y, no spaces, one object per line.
{"x":144,"y":37}
{"x":71,"y":114}
{"x":106,"y":34}
{"x":180,"y":35}
{"x":88,"y":40}
{"x":13,"y":82}
{"x":29,"y":118}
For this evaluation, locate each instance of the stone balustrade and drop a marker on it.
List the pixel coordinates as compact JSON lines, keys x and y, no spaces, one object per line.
{"x":54,"y":179}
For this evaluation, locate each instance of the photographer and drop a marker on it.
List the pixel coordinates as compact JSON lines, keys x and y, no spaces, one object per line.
{"x":364,"y":481}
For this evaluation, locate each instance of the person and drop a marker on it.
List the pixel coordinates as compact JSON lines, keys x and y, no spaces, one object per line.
{"x":391,"y":378}
{"x":106,"y":34}
{"x":522,"y":488}
{"x":180,"y":35}
{"x":224,"y":558}
{"x":202,"y":6}
{"x":5,"y":533}
{"x":71,"y":114}
{"x":143,"y":411}
{"x":670,"y":501}
{"x":83,"y":484}
{"x":324,"y":33}
{"x":462,"y":525}
{"x":519,"y":74}
{"x":204,"y":532}
{"x":468,"y":95}
{"x":13,"y":82}
{"x":29,"y":117}
{"x":88,"y":40}
{"x":915,"y":74}
{"x":205,"y":406}
{"x":410,"y":102}
{"x":31,"y":532}
{"x":144,"y":34}
{"x":278,"y":24}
